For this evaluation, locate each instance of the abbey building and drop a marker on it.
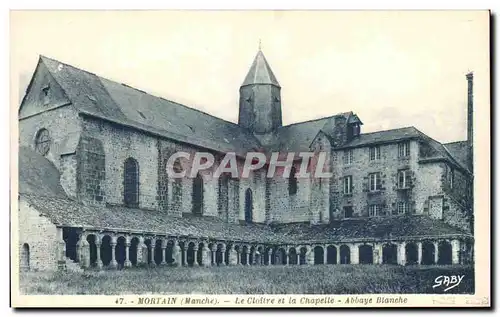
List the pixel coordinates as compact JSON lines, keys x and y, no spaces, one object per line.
{"x":94,"y":192}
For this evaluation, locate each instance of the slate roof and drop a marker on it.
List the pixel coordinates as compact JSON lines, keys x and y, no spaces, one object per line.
{"x":39,"y":185}
{"x":459,"y":150}
{"x":65,"y":212}
{"x":385,"y":136}
{"x":106,"y":99}
{"x":407,"y":133}
{"x":37,"y":175}
{"x":407,"y":226}
{"x":260,"y":72}
{"x":298,"y":137}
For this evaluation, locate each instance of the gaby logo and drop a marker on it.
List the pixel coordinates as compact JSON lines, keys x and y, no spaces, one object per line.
{"x":304,"y":164}
{"x":448,"y":281}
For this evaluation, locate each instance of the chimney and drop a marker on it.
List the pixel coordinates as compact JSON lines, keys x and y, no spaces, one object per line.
{"x":470,"y":126}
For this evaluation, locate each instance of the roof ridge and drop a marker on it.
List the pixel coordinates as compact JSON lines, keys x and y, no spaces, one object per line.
{"x":100,"y":78}
{"x":312,"y":120}
{"x":448,"y":143}
{"x":389,"y":130}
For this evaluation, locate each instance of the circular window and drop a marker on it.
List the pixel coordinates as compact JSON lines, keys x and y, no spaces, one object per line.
{"x":42,"y":141}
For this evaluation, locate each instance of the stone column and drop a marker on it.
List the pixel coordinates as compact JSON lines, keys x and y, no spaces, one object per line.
{"x":402,"y":253}
{"x":354,"y":253}
{"x":436,"y":252}
{"x":84,"y":253}
{"x":98,"y":260}
{"x":127,"y":253}
{"x":195,"y":255}
{"x":185,"y":253}
{"x":377,"y":253}
{"x":254,"y":255}
{"x":176,"y":254}
{"x":338,"y":253}
{"x":223,"y":256}
{"x":298,"y":257}
{"x":246,"y":254}
{"x":269,"y":256}
{"x":287,"y":255}
{"x":113,"y":264}
{"x":419,"y":252}
{"x":214,"y":255}
{"x":309,"y":256}
{"x":233,"y":256}
{"x":61,"y":251}
{"x":238,"y":257}
{"x":152,"y":253}
{"x":163,"y":252}
{"x":455,"y":251}
{"x":140,"y":247}
{"x":205,"y":255}
{"x":325,"y":254}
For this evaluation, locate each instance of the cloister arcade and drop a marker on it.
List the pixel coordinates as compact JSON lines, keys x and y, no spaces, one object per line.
{"x":116,"y":251}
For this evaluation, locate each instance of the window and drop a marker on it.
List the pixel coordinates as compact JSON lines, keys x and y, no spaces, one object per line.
{"x":355,"y":129}
{"x":374,"y":153}
{"x":348,"y":157}
{"x":404,"y":179}
{"x":404,"y":149}
{"x":292,"y":182}
{"x":403,"y":207}
{"x":131,"y":183}
{"x":375,"y":182}
{"x":452,"y":177}
{"x":42,"y":141}
{"x":45,"y":90}
{"x":348,"y":211}
{"x":347,"y":184}
{"x":375,"y":210}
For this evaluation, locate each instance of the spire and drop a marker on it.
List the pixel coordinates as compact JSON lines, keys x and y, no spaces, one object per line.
{"x":260,"y":72}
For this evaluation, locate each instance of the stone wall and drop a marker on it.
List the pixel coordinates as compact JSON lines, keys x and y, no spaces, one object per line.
{"x":41,"y":236}
{"x":120,"y":143}
{"x":63,"y":125}
{"x":91,"y":171}
{"x":388,"y":166}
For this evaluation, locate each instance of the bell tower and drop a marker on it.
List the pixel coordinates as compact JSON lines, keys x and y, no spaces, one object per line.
{"x":260,"y":99}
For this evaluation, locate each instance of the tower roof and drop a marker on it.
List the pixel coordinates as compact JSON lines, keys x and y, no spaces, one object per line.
{"x":260,"y":72}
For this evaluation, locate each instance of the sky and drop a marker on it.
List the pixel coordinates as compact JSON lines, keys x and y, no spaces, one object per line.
{"x":393,"y":69}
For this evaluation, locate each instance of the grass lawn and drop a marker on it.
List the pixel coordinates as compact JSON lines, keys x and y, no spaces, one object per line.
{"x":316,"y":279}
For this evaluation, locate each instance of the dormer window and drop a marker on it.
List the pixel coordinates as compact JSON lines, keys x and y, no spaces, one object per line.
{"x":355,"y":129}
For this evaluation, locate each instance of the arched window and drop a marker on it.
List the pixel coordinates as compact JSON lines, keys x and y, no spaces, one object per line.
{"x":131,"y":183}
{"x":42,"y":141}
{"x":292,"y":182}
{"x":248,"y":206}
{"x":25,"y":257}
{"x":198,"y":195}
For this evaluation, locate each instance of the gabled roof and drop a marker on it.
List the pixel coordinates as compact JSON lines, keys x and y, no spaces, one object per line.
{"x":260,"y":72}
{"x":298,"y":137}
{"x":102,"y":98}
